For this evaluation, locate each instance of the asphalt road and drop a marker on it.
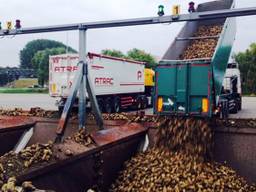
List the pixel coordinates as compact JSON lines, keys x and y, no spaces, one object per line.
{"x":26,"y":101}
{"x":248,"y":108}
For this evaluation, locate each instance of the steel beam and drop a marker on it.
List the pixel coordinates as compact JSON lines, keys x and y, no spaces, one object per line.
{"x":136,"y":21}
{"x":82,"y":87}
{"x":69,"y":103}
{"x":94,"y":104}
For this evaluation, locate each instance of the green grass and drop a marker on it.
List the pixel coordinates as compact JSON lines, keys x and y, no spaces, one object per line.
{"x":23,"y":90}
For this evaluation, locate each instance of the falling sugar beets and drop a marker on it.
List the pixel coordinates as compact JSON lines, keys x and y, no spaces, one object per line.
{"x":183,"y":139}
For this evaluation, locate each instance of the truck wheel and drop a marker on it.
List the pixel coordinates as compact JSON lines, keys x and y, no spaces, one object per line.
{"x":108,"y":105}
{"x":144,"y":102}
{"x":139,"y":103}
{"x":239,"y":105}
{"x":227,"y":111}
{"x":116,"y":105}
{"x":235,"y":109}
{"x":224,"y":113}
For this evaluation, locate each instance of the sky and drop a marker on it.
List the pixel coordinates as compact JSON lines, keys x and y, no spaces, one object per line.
{"x":151,"y":38}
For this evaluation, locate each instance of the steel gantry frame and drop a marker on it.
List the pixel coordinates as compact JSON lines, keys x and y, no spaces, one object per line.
{"x":82,"y":82}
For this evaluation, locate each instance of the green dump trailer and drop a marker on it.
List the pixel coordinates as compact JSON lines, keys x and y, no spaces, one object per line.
{"x":194,"y":86}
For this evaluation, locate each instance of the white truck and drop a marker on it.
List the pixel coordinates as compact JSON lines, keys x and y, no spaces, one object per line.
{"x":231,"y":87}
{"x":118,"y":83}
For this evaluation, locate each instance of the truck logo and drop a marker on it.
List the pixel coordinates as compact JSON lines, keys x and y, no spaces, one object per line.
{"x":62,"y":69}
{"x":103,"y":81}
{"x":139,"y":75}
{"x":57,"y":59}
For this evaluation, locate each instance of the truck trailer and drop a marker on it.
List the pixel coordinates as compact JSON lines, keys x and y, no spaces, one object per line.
{"x":118,"y":83}
{"x":190,"y":76}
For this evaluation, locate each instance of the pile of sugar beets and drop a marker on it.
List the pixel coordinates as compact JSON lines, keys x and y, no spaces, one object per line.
{"x":181,"y":158}
{"x":14,"y":164}
{"x":180,"y":161}
{"x":203,"y":48}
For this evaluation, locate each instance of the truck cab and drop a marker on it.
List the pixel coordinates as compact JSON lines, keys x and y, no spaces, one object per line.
{"x":231,"y":87}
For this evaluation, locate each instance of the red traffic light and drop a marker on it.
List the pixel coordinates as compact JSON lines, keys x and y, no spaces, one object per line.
{"x":17,"y":25}
{"x":191,"y":7}
{"x":191,"y":3}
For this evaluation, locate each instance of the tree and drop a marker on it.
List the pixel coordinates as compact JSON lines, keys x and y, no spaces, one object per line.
{"x":3,"y":78}
{"x":247,"y":64}
{"x":31,"y":48}
{"x":140,"y":55}
{"x":113,"y":53}
{"x":41,"y":60}
{"x":134,"y":54}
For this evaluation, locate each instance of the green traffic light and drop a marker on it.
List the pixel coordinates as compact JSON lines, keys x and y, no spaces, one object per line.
{"x":160,"y":10}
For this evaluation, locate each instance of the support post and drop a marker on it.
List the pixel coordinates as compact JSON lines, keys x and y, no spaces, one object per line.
{"x":68,"y":105}
{"x":94,"y":104}
{"x":82,"y":88}
{"x":86,"y":86}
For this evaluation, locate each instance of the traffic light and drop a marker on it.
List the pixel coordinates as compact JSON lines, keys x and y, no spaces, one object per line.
{"x":191,"y":7}
{"x":160,"y":10}
{"x":9,"y":25}
{"x":0,"y":25}
{"x":17,"y":25}
{"x":176,"y":10}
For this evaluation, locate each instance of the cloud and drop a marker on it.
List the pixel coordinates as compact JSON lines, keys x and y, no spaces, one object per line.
{"x":153,"y":38}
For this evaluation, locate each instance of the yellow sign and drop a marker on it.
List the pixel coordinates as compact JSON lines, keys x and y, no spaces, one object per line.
{"x":54,"y":88}
{"x":176,"y":10}
{"x":9,"y":25}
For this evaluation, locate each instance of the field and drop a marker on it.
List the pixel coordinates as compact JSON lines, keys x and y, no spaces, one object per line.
{"x":23,"y":90}
{"x":23,"y":83}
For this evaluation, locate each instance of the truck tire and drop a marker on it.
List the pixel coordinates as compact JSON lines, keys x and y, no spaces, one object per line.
{"x":108,"y":105}
{"x":116,"y":105}
{"x":227,"y":111}
{"x":139,"y":103}
{"x":144,"y":104}
{"x":235,"y":109}
{"x":239,"y":105}
{"x":224,"y":113}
